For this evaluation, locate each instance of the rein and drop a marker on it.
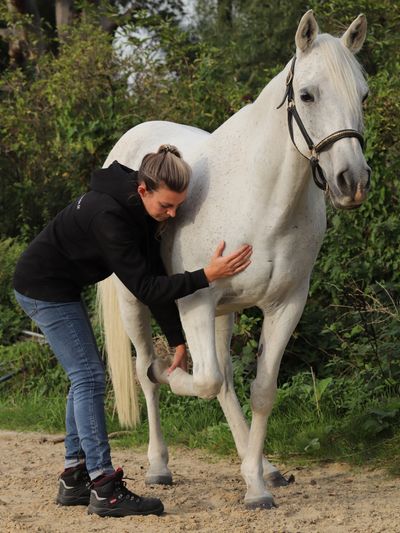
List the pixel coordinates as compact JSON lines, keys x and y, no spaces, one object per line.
{"x":315,"y":149}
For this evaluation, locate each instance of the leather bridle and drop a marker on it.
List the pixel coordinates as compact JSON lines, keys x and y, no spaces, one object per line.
{"x":315,"y":149}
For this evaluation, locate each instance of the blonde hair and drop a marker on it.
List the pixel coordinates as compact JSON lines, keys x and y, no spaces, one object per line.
{"x":165,"y":167}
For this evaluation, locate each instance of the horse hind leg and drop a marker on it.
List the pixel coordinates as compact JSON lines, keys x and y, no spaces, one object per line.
{"x":136,"y":319}
{"x":230,"y":404}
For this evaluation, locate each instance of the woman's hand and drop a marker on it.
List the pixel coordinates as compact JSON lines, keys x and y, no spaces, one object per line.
{"x":223,"y":267}
{"x":180,"y":359}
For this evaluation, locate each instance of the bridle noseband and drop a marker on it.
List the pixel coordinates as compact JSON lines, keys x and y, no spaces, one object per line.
{"x":315,"y":149}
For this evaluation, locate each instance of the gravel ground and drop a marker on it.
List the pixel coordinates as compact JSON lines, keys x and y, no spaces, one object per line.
{"x":206,"y":495}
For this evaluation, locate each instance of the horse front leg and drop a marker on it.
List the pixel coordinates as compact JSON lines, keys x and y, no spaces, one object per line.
{"x":198,"y":319}
{"x":136,"y":319}
{"x":229,"y":402}
{"x":276,"y":331}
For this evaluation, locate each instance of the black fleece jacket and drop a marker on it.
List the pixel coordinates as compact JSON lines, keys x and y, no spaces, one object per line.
{"x":104,"y":231}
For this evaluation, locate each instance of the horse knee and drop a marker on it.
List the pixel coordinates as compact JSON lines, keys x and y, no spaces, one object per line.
{"x":263,"y":396}
{"x":144,"y":358}
{"x":207,"y":386}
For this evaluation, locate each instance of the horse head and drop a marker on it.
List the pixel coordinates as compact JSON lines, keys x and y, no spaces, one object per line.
{"x":325,"y":92}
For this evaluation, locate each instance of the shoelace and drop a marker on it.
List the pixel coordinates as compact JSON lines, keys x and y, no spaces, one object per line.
{"x":121,"y":488}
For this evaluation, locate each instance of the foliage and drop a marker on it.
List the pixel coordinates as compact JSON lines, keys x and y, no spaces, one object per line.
{"x":348,"y":424}
{"x":62,"y":123}
{"x":34,"y":412}
{"x":359,"y":259}
{"x":12,"y":318}
{"x":36,"y":369}
{"x":351,"y":320}
{"x":70,"y":104}
{"x":70,"y":109}
{"x":352,"y":423}
{"x":185,"y":83}
{"x":258,"y":36}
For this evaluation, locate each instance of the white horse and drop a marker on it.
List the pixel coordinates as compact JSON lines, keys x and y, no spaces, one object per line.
{"x":252,"y":183}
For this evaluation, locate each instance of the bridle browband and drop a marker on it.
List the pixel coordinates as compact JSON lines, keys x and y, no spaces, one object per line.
{"x":315,"y":149}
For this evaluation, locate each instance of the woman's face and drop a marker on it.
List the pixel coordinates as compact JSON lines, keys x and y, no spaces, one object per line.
{"x":163,"y":203}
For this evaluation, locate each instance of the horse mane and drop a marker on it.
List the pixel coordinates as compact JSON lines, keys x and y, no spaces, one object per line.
{"x":344,"y":70}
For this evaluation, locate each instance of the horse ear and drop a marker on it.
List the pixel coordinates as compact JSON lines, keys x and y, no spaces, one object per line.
{"x":307,"y":31}
{"x":354,"y":37}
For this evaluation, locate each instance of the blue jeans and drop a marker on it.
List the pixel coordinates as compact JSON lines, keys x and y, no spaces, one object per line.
{"x":67,"y":328}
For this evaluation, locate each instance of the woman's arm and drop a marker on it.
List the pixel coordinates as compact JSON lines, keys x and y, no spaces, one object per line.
{"x":122,"y":251}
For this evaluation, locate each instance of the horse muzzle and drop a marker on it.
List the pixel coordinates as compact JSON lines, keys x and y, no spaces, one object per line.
{"x":349,"y":189}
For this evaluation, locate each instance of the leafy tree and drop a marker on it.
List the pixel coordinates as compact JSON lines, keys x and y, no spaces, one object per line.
{"x":359,"y":260}
{"x":351,"y":323}
{"x":31,"y":26}
{"x":13,"y":319}
{"x":258,"y":36}
{"x":68,"y":109}
{"x":61,"y":118}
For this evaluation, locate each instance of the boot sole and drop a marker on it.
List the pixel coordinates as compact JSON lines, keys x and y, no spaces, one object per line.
{"x":120,"y":513}
{"x":74,"y":501}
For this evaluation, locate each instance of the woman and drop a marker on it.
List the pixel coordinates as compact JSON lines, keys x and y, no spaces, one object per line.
{"x":112,"y":228}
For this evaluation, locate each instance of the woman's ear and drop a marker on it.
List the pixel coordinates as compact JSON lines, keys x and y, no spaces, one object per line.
{"x":142,"y":190}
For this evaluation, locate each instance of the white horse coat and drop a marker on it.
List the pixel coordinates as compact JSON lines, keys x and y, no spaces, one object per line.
{"x":250,"y":185}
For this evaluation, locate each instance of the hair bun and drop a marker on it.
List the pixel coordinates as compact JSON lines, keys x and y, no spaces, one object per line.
{"x":165,"y":148}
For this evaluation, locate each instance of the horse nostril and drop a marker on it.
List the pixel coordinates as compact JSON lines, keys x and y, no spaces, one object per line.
{"x":341,"y":180}
{"x":353,"y":184}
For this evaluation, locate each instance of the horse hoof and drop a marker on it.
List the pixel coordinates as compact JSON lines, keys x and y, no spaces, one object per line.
{"x":158,"y":480}
{"x":266,"y":502}
{"x":275,"y":479}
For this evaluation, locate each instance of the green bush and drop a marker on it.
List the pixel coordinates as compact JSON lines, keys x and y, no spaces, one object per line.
{"x":69,"y":109}
{"x":36,"y":370}
{"x":12,"y":318}
{"x":66,"y":114}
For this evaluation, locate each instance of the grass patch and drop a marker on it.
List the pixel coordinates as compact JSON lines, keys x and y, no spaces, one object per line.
{"x":365,"y":435}
{"x":34,"y":412}
{"x":303,"y":427}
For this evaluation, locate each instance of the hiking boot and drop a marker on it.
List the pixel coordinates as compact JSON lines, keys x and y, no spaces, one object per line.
{"x":110,"y":497}
{"x":74,"y":487}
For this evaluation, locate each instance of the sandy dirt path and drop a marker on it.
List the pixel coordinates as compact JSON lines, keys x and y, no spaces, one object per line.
{"x":206,"y":495}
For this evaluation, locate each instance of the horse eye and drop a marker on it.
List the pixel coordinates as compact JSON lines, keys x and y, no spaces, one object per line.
{"x":306,"y":97}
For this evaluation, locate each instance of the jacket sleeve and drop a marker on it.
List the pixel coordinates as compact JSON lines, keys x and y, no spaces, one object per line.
{"x":168,"y":318}
{"x":167,"y":315}
{"x":121,"y":249}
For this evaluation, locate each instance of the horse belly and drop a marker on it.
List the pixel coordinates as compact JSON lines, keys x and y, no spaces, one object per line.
{"x":244,"y":290}
{"x":274,"y":274}
{"x":291,"y":270}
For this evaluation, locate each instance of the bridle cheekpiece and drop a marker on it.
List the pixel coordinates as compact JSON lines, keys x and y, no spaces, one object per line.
{"x":315,"y":149}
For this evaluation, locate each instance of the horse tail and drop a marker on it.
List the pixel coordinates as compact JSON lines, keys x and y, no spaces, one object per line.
{"x":119,"y":356}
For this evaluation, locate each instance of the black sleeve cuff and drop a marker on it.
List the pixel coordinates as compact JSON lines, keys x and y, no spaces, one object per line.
{"x":174,"y":338}
{"x":199,"y":279}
